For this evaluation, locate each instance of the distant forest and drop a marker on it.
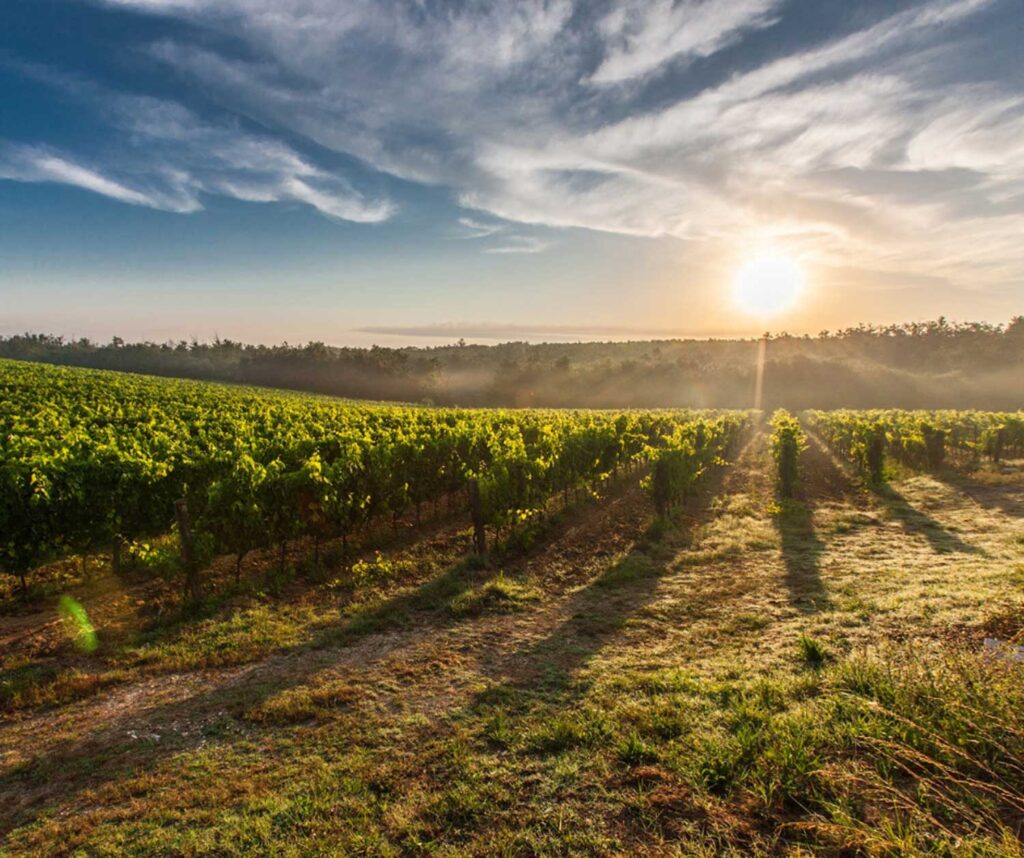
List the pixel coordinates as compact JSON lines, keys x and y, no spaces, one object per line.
{"x":936,"y":364}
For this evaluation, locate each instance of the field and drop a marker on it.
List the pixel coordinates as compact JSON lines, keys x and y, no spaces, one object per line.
{"x":403,"y":631}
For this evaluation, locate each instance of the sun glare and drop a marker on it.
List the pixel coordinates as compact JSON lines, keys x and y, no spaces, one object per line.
{"x":768,"y":284}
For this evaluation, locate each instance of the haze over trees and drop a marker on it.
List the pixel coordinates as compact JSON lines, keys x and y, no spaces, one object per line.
{"x":938,"y":364}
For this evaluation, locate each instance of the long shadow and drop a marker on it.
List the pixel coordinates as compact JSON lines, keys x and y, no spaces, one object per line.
{"x":1007,"y":498}
{"x":801,"y":554}
{"x":597,"y":614}
{"x":599,"y":611}
{"x":913,"y":520}
{"x":918,"y":523}
{"x":106,"y":754}
{"x":71,"y":766}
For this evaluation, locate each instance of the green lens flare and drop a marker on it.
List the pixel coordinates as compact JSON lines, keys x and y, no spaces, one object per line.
{"x":76,"y":621}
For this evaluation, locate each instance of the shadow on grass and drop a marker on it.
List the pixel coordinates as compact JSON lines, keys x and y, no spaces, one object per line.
{"x":111,"y":752}
{"x":918,"y":523}
{"x":599,"y":611}
{"x":1007,"y":498}
{"x":801,"y":553}
{"x":913,"y":520}
{"x":596,"y":614}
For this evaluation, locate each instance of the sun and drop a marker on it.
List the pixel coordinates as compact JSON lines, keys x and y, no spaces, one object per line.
{"x":768,"y":284}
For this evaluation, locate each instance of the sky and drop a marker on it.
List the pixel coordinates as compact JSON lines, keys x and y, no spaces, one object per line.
{"x":376,"y":171}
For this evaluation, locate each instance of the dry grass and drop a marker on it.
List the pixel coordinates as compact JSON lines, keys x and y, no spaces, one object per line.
{"x":757,"y":679}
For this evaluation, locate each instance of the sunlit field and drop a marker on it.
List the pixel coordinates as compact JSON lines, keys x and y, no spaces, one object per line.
{"x":400,"y":630}
{"x":511,"y":429}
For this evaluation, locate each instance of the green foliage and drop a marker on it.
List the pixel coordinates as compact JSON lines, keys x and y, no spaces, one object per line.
{"x":498,"y":596}
{"x":918,"y":439}
{"x":813,"y":652}
{"x":634,"y":751}
{"x":788,"y":441}
{"x":683,"y":456}
{"x":93,"y":458}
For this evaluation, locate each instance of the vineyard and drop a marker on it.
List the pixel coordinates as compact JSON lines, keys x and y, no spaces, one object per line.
{"x":925,"y":440}
{"x":100,"y":459}
{"x":243,"y":622}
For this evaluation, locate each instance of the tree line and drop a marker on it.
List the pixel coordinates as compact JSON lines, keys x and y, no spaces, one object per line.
{"x":938,"y":364}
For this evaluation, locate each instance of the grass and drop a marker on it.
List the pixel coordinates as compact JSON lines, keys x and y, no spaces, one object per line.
{"x":813,"y":653}
{"x":499,"y":595}
{"x":746,"y":680}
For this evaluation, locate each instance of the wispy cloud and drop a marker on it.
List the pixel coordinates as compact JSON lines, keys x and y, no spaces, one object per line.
{"x":641,"y":35}
{"x":472,"y":228}
{"x":510,"y":239}
{"x":622,"y":117}
{"x":521,"y":244}
{"x":164,"y":156}
{"x":40,"y":164}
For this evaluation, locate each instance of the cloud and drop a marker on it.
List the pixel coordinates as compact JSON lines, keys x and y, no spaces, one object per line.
{"x":477,"y":229}
{"x":164,"y":156}
{"x":639,"y":117}
{"x":641,"y":36}
{"x":40,"y":164}
{"x":521,"y":244}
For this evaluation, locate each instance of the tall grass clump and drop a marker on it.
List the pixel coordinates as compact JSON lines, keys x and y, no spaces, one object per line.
{"x":941,"y":756}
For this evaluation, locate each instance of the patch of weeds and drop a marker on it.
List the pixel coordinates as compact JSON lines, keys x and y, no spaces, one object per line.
{"x":366,"y":573}
{"x":33,"y":684}
{"x":855,"y":603}
{"x":495,"y":695}
{"x":670,"y":681}
{"x":583,"y":729}
{"x":717,"y":762}
{"x":498,"y":596}
{"x":220,"y":729}
{"x":668,"y":720}
{"x":745,"y":622}
{"x":813,"y":652}
{"x":214,"y":642}
{"x":635,"y":567}
{"x":498,"y":730}
{"x":634,"y":751}
{"x":296,"y":705}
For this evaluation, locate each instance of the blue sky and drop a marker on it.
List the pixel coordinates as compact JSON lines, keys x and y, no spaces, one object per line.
{"x":374,"y":171}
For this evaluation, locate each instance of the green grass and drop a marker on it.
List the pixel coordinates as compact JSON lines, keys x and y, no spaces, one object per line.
{"x":499,"y":595}
{"x":813,"y":653}
{"x":692,"y":690}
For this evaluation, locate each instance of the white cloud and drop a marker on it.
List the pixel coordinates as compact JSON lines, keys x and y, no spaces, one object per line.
{"x":513,"y":107}
{"x":521,"y":244}
{"x":641,"y":36}
{"x":472,"y":228}
{"x":39,"y":164}
{"x":168,"y":158}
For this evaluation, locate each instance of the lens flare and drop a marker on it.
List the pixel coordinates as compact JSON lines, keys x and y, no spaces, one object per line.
{"x":77,"y":623}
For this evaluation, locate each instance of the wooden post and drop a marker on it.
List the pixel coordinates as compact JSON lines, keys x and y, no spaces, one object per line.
{"x":476,"y":510}
{"x":193,"y":591}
